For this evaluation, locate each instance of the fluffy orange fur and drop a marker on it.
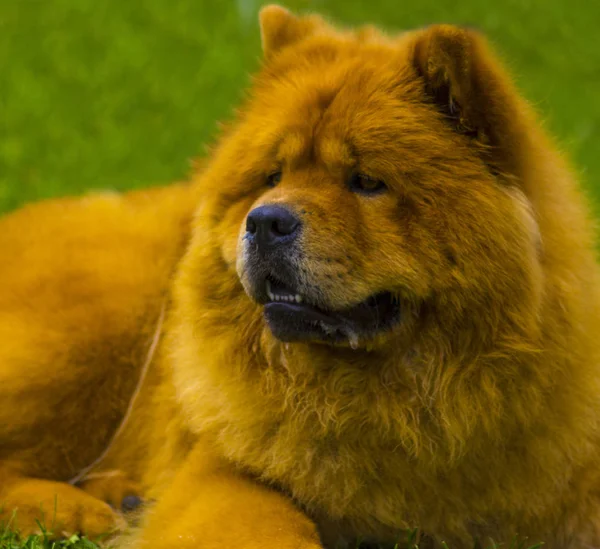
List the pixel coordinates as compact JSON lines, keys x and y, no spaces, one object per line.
{"x":476,"y":416}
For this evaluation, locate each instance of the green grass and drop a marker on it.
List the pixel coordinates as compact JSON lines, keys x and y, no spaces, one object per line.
{"x":10,"y":540}
{"x":122,"y":94}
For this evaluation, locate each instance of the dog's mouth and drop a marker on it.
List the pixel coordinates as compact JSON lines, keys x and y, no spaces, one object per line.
{"x":292,"y":316}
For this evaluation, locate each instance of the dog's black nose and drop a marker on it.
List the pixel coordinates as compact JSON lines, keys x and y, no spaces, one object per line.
{"x":271,"y":225}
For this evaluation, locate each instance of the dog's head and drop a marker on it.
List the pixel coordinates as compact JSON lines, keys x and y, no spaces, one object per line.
{"x":368,"y":183}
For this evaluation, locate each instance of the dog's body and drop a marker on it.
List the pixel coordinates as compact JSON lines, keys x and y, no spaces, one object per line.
{"x":416,"y":345}
{"x":86,"y":284}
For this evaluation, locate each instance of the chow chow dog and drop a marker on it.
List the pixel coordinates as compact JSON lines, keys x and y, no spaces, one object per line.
{"x":374,"y":308}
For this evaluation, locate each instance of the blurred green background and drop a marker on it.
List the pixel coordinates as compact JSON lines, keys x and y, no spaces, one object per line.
{"x":124,"y":93}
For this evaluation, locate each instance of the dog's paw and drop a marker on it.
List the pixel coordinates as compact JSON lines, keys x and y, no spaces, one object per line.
{"x":30,"y":506}
{"x":114,"y":488}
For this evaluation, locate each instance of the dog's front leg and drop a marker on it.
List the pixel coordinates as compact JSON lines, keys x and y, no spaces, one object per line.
{"x":211,"y":505}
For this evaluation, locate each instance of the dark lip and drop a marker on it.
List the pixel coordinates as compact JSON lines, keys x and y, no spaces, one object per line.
{"x":304,"y":322}
{"x":309,"y":313}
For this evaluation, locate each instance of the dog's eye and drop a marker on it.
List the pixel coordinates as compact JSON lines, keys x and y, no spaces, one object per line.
{"x":273,"y":179}
{"x":363,"y":184}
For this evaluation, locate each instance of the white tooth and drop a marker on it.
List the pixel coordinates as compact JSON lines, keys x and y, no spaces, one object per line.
{"x":269,"y":292}
{"x":298,"y":298}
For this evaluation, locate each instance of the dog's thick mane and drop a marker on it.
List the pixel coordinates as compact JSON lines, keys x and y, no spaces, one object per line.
{"x":464,"y":400}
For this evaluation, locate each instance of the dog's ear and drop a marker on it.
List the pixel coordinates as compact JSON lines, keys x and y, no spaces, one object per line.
{"x":470,"y":87}
{"x":280,"y":28}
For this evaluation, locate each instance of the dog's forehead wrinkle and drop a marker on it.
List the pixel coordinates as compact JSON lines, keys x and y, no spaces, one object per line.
{"x":293,"y":146}
{"x":342,"y":116}
{"x":325,"y":96}
{"x":298,"y":142}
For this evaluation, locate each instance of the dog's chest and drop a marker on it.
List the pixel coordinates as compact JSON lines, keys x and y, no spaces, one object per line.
{"x":357,"y":482}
